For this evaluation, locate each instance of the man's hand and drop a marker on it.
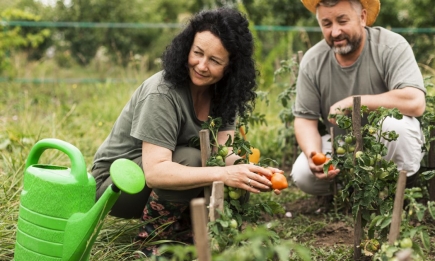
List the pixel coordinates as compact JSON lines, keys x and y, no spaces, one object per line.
{"x":340,"y":107}
{"x":318,"y":171}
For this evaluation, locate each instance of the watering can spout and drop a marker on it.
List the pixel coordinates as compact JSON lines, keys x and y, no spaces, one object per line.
{"x":83,"y":228}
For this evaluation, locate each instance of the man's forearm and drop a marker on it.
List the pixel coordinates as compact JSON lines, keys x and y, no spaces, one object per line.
{"x":307,"y":135}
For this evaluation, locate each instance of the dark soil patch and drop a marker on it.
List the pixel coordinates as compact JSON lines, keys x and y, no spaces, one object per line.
{"x":334,"y":233}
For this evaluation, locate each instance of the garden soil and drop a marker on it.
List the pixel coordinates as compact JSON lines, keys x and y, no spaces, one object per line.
{"x":333,"y":233}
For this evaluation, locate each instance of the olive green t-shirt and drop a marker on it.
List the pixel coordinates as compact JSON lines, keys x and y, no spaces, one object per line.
{"x":157,"y":114}
{"x":386,"y":63}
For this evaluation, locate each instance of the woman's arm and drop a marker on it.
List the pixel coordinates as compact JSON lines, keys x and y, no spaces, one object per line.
{"x":162,"y":173}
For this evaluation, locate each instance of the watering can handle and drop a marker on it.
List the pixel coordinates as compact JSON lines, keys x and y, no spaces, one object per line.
{"x":78,"y":164}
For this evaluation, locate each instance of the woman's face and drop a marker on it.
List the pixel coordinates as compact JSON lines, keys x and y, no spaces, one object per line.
{"x":207,"y":59}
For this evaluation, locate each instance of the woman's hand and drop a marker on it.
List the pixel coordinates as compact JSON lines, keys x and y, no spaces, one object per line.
{"x":248,"y":177}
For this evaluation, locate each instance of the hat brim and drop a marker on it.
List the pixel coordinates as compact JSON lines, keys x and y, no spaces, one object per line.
{"x":372,"y":6}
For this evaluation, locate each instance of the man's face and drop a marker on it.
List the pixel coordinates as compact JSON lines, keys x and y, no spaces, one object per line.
{"x":342,"y":27}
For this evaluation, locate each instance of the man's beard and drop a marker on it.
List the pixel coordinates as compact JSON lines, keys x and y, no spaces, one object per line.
{"x":351,"y":46}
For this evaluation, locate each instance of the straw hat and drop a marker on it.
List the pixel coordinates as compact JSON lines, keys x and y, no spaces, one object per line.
{"x":372,"y":7}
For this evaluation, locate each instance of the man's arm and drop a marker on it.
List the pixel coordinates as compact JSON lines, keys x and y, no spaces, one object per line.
{"x":409,"y":101}
{"x":307,"y":135}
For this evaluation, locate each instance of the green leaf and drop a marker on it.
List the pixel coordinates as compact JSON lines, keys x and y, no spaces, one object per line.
{"x":431,"y":208}
{"x":386,"y":222}
{"x":425,"y":239}
{"x":223,"y":223}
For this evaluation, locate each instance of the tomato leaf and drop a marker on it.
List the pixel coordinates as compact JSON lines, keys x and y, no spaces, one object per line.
{"x":425,"y":239}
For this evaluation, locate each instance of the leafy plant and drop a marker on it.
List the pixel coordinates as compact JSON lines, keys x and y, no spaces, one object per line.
{"x":13,"y":37}
{"x":369,"y":183}
{"x":288,"y":72}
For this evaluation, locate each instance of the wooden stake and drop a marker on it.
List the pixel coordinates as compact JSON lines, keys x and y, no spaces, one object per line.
{"x":199,"y":223}
{"x":431,"y":164}
{"x":398,"y":208}
{"x":356,"y":127}
{"x":334,"y":183}
{"x":216,"y":200}
{"x":204,"y":139}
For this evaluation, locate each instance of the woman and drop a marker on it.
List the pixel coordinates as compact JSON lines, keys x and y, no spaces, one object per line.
{"x":208,"y":70}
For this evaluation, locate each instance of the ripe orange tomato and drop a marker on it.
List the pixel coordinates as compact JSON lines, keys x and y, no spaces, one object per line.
{"x":268,"y":177}
{"x":331,"y":167}
{"x":255,"y":156}
{"x":318,"y":158}
{"x":279,"y":181}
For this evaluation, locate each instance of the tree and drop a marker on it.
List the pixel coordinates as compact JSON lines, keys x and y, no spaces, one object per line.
{"x":16,"y":38}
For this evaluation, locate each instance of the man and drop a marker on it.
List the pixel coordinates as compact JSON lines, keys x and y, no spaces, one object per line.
{"x":354,"y":59}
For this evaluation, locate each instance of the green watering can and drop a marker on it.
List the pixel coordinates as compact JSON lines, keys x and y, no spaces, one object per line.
{"x":58,"y":217}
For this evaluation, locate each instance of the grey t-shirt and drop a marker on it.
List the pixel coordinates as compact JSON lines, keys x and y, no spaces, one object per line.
{"x":157,"y":114}
{"x":386,"y":63}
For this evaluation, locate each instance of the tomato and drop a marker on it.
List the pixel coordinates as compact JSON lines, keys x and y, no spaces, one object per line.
{"x":223,"y":151}
{"x":341,"y":150}
{"x":220,"y":161}
{"x":351,"y":148}
{"x":268,"y":177}
{"x":372,"y":130}
{"x":406,"y":243}
{"x":358,"y":154}
{"x":348,"y":139}
{"x":255,"y":156}
{"x":235,"y":194}
{"x":233,"y":223}
{"x":383,"y":175}
{"x":331,"y":167}
{"x":279,"y":181}
{"x":318,"y":158}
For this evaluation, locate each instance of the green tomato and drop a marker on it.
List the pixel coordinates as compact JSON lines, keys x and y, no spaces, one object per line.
{"x":351,"y":148}
{"x":234,"y":194}
{"x":406,"y":243}
{"x":348,"y":139}
{"x":233,"y":223}
{"x":223,"y":151}
{"x":220,"y":161}
{"x":341,"y":150}
{"x":383,"y":175}
{"x":358,"y":154}
{"x":378,"y":157}
{"x":372,"y":130}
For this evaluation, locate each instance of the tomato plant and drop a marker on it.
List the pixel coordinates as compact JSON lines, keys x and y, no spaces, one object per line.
{"x":369,"y":185}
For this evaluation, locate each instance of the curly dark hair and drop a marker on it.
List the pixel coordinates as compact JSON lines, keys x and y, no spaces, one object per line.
{"x":235,"y":92}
